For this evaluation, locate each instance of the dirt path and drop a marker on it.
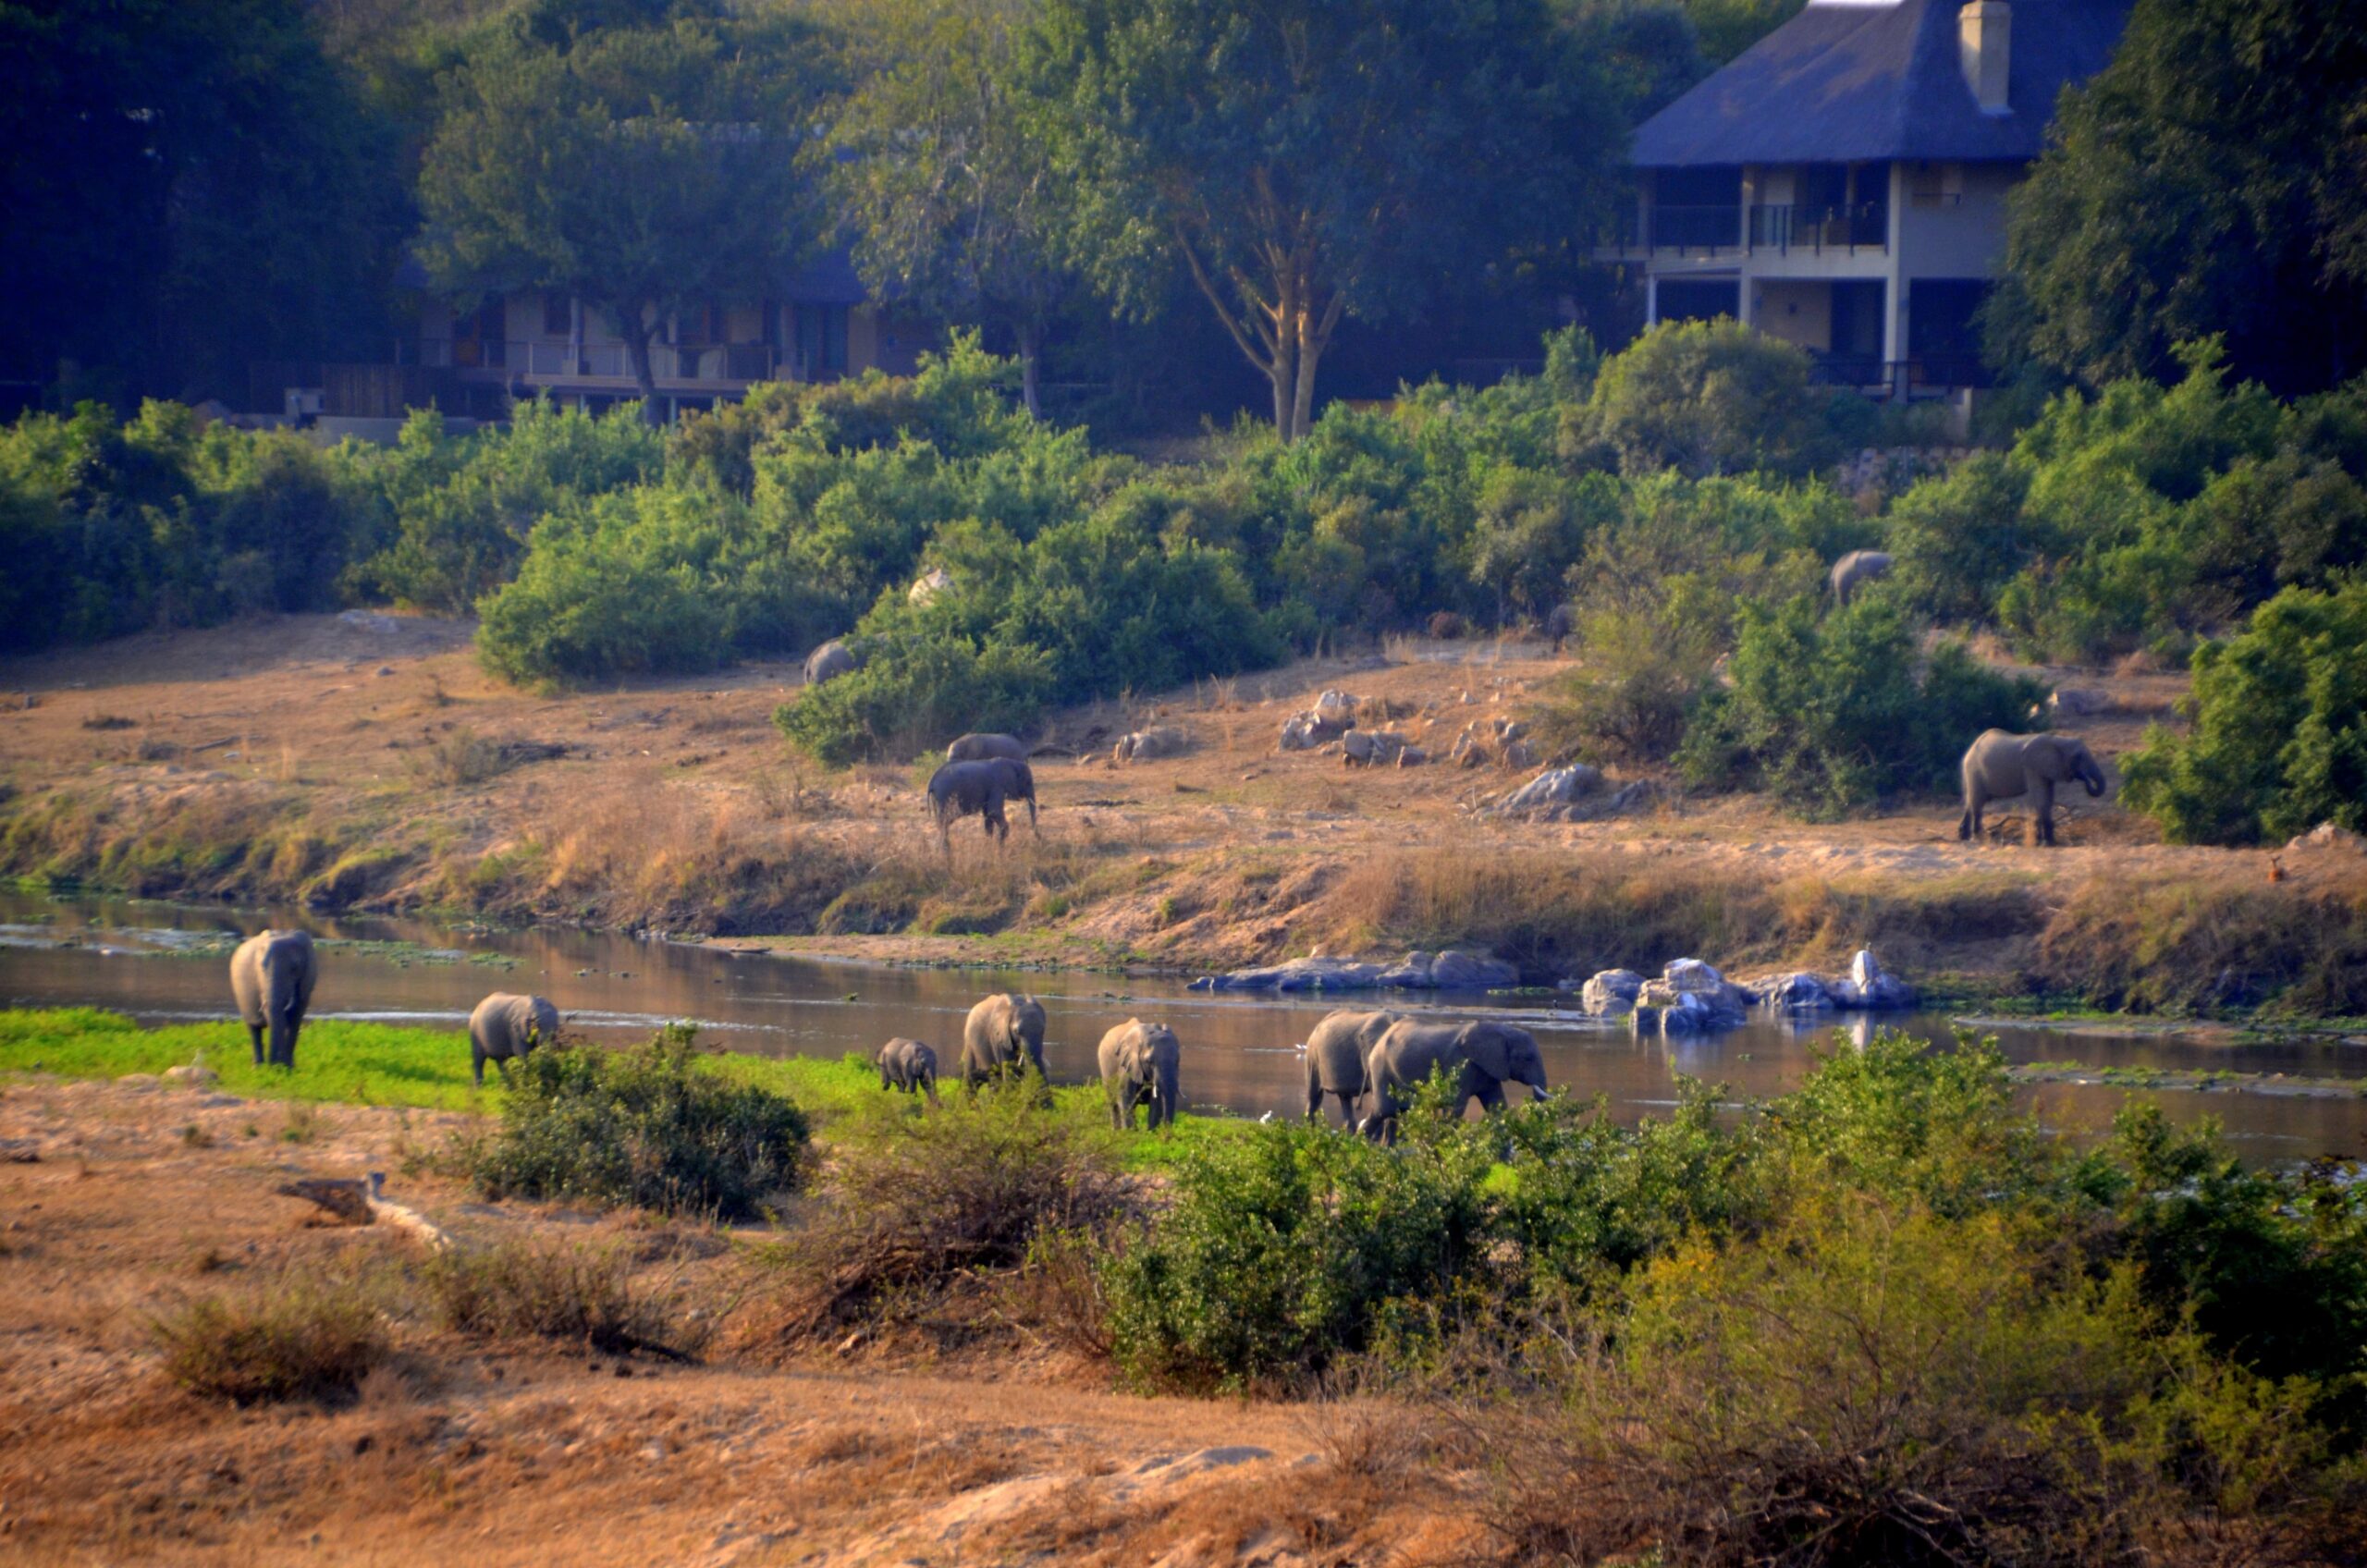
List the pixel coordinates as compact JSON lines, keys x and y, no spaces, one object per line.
{"x":507,"y":1453}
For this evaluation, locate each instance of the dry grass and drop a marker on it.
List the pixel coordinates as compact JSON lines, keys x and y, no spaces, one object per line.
{"x":303,"y":1335}
{"x":557,"y":1291}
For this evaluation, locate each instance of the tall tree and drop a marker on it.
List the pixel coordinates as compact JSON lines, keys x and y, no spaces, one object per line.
{"x":648,"y":165}
{"x":2207,"y":182}
{"x":188,"y":186}
{"x":1307,"y":160}
{"x":946,"y":190}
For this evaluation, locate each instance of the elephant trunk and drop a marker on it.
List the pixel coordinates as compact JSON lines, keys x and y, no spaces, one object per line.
{"x":1163,"y":1103}
{"x":2093,"y":777}
{"x":282,"y":1037}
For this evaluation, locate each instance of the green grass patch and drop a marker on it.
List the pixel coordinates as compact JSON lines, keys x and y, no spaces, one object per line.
{"x":385,"y":1064}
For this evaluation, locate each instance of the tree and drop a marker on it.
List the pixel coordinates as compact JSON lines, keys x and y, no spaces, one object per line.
{"x":650,"y":169}
{"x":949,"y":199}
{"x":2207,"y":181}
{"x":1307,"y":160}
{"x":188,"y":187}
{"x":1703,"y":397}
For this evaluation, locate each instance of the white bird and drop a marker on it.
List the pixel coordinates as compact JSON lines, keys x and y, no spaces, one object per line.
{"x":1267,"y":1117}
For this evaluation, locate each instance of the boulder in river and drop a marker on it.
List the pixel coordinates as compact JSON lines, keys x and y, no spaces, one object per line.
{"x":1611,"y":991}
{"x":1448,"y":971}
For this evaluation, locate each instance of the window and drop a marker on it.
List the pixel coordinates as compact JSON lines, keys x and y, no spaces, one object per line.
{"x":558,"y":316}
{"x":821,"y":347}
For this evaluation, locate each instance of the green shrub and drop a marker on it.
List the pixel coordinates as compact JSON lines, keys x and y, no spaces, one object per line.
{"x":2279,"y":740}
{"x":1959,"y":539}
{"x":916,"y":693}
{"x":1631,"y":694}
{"x":303,"y":1335}
{"x":652,"y":1126}
{"x":1830,"y":714}
{"x":1703,"y":397}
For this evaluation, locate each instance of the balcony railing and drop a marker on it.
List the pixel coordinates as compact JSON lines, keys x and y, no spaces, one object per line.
{"x":1865,"y":227}
{"x":534,"y":361}
{"x":1698,"y":229}
{"x":1926,"y":374}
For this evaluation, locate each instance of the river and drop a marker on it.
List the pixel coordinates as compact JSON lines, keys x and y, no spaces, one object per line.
{"x":160,"y":962}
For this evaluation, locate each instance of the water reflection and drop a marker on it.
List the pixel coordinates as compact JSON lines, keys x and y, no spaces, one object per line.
{"x":164,"y":961}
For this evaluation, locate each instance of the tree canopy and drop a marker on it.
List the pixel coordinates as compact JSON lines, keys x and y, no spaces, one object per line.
{"x":2212,"y":179}
{"x":1307,"y":161}
{"x":648,"y":169}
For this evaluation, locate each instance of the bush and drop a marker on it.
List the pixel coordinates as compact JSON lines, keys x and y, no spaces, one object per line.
{"x":2279,"y":741}
{"x":912,"y":1207}
{"x":650,"y":1126}
{"x":1959,"y":539}
{"x":301,"y":1336}
{"x":916,"y":693}
{"x":1842,"y":712}
{"x":1639,"y":675}
{"x":556,"y":1291}
{"x":1703,"y":397}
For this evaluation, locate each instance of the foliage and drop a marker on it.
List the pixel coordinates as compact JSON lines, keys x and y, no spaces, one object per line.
{"x":653,"y":1126}
{"x":299,"y":1336}
{"x":556,"y":1291}
{"x":1830,"y":714}
{"x":2279,"y":739}
{"x":2206,"y":182}
{"x":1703,"y":397}
{"x":1633,"y":690}
{"x":1311,"y":161}
{"x":650,"y":169}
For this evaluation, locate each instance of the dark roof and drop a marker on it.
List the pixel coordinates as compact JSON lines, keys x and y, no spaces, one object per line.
{"x":1859,"y":80}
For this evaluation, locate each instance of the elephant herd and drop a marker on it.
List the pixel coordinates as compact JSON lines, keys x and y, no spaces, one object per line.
{"x":1003,"y":1038}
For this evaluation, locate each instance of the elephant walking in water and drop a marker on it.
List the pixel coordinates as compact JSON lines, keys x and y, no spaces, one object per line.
{"x":505,"y":1027}
{"x":2000,"y":767}
{"x":1856,"y":570}
{"x":1139,"y":1065}
{"x":908,"y":1065}
{"x":1335,"y":1059}
{"x":1002,"y":1036}
{"x":271,"y":977}
{"x":1486,"y":1057}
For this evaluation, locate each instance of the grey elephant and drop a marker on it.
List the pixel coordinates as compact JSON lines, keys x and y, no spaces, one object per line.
{"x":2000,"y":767}
{"x":1335,"y":1059}
{"x":978,"y":789}
{"x":505,"y":1027}
{"x":1560,"y":622}
{"x":983,"y":748}
{"x":271,"y":976}
{"x":1002,"y":1036}
{"x":1856,"y":570}
{"x":908,"y":1065}
{"x":1487,"y":1056}
{"x":1139,"y":1066}
{"x":832,"y":659}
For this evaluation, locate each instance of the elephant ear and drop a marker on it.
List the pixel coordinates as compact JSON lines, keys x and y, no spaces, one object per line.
{"x":1487,"y":1047}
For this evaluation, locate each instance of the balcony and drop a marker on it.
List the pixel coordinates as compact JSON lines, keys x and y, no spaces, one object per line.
{"x":1695,"y":231}
{"x":1865,"y":227}
{"x":702,"y":365}
{"x":1925,"y":375}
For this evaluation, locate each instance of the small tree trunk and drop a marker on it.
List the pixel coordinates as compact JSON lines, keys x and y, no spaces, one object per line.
{"x":636,"y":331}
{"x":1303,"y":394}
{"x":1031,"y":353}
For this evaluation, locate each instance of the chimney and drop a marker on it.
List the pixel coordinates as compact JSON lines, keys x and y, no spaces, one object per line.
{"x":1984,"y":43}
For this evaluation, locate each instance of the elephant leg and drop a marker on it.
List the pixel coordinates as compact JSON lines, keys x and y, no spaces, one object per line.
{"x":2045,"y":794}
{"x":1031,"y":817}
{"x":501,"y":1065}
{"x":1964,"y":823}
{"x":255,"y":1035}
{"x":476,"y":1067}
{"x":1491,"y":1094}
{"x":1973,"y":811}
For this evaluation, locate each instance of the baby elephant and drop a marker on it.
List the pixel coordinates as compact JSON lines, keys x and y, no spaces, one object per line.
{"x":910,"y":1066}
{"x":504,"y":1027}
{"x":1138,"y":1064}
{"x":271,"y":979}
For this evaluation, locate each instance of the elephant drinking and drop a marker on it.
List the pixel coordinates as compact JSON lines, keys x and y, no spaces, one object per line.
{"x":271,"y":976}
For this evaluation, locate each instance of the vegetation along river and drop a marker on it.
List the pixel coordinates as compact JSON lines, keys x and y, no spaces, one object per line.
{"x":165,"y":962}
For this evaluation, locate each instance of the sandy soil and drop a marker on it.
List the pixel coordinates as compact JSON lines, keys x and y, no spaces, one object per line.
{"x":503,"y":1453}
{"x":667,"y":802}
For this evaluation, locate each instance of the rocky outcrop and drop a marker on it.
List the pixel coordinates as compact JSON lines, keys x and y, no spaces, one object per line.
{"x":1145,"y":745}
{"x":1611,"y":992}
{"x":931,"y":583}
{"x":1333,"y":715}
{"x":1372,"y":748}
{"x":1575,"y":793}
{"x":1448,"y":971}
{"x":1868,"y":988}
{"x":1690,"y":998}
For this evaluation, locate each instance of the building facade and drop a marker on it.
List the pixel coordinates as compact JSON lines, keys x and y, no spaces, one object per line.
{"x":1842,"y":184}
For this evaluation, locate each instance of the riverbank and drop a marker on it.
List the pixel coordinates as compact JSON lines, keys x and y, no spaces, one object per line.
{"x":368,"y":764}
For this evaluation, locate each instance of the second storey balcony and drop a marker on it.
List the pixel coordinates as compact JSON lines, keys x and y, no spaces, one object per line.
{"x":1757,"y":228}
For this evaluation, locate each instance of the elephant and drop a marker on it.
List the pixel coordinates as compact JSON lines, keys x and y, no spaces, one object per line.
{"x":1856,"y":570}
{"x":1138,"y":1065}
{"x":1999,"y":766}
{"x":978,"y":789}
{"x":505,"y":1027}
{"x":1004,"y":1034}
{"x":1487,"y":1055}
{"x":984,"y":747}
{"x":908,"y":1065}
{"x":1560,"y":622}
{"x":1335,"y":1058}
{"x":829,"y":661}
{"x":271,"y":976}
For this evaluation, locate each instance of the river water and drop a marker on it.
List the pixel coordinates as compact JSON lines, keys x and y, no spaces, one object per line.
{"x":159,"y":961}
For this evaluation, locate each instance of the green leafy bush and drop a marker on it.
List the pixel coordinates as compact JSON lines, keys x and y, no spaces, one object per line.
{"x":2279,"y":740}
{"x":651,"y":1126}
{"x":1844,"y":711}
{"x":1703,"y":397}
